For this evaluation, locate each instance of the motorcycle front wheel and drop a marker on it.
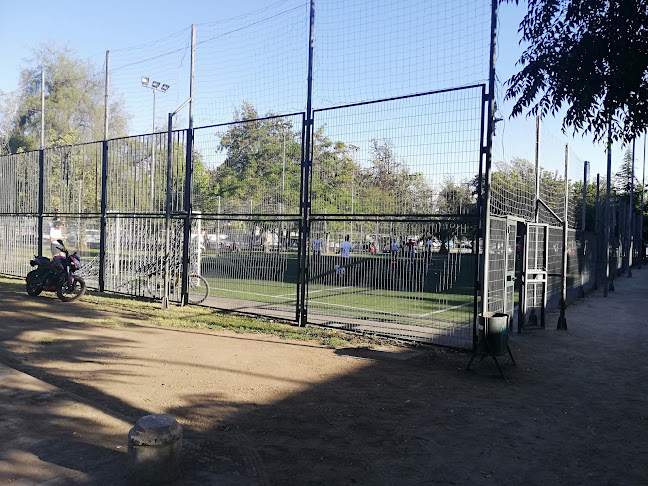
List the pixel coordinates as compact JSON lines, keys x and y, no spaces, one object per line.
{"x":71,"y":290}
{"x":34,"y":287}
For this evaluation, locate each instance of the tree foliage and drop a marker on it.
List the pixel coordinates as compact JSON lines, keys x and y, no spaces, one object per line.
{"x":74,"y":102}
{"x":261,"y":172}
{"x":590,"y":57}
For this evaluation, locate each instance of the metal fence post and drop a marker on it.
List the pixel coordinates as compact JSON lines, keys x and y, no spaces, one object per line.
{"x":104,"y":206}
{"x":304,"y":227}
{"x":613,"y":248}
{"x":167,"y":216}
{"x":41,"y":197}
{"x":489,"y":149}
{"x":562,"y":320}
{"x":104,"y":180}
{"x":615,"y":257}
{"x":641,"y":216}
{"x":186,"y":244}
{"x":583,"y":223}
{"x":478,"y":242}
{"x":598,"y":247}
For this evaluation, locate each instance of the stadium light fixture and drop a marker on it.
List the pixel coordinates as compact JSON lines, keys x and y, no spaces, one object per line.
{"x":155,"y":85}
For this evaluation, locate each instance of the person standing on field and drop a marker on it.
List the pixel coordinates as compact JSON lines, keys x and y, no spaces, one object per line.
{"x":394,"y":250}
{"x":56,"y":233}
{"x":317,"y":246}
{"x":410,"y":248}
{"x":345,"y":253}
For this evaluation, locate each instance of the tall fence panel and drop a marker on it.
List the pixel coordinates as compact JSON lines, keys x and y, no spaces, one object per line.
{"x":246,"y":202}
{"x":19,"y":189}
{"x":393,"y":218}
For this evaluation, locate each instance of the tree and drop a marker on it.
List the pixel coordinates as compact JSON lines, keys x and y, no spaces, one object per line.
{"x":74,"y":102}
{"x":262,"y":169}
{"x":261,"y":166}
{"x":623,"y":179}
{"x":8,"y":106}
{"x":454,"y":199}
{"x":590,"y":57}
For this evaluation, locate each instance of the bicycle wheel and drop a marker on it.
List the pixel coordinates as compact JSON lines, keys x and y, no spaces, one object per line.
{"x":155,"y":285}
{"x":198,"y":289}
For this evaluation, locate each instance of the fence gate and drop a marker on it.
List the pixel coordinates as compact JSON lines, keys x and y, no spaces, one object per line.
{"x":534,"y":277}
{"x":509,"y":285}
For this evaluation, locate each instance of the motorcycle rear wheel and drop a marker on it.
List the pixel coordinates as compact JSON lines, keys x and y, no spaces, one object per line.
{"x":34,"y":287}
{"x":71,"y":290}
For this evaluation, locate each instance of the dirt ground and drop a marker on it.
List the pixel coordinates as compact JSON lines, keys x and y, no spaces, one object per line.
{"x":258,"y":410}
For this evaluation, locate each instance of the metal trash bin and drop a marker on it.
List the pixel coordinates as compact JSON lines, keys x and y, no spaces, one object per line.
{"x":493,"y":328}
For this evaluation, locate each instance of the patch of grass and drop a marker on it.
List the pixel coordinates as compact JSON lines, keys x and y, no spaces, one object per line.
{"x":113,"y":323}
{"x":142,"y":311}
{"x":17,"y":284}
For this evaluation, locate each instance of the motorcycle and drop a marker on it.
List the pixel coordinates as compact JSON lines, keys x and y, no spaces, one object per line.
{"x":56,"y":275}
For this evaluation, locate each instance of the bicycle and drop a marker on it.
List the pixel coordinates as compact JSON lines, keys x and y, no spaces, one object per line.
{"x":198,"y":285}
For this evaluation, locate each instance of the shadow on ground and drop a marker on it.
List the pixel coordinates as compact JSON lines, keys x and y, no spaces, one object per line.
{"x":573,"y":412}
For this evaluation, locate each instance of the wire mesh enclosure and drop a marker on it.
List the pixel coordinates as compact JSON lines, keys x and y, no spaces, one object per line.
{"x":546,"y":188}
{"x":338,"y":176}
{"x":19,"y":183}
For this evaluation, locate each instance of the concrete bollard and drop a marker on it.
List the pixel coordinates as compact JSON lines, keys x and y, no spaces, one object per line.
{"x":154,"y":450}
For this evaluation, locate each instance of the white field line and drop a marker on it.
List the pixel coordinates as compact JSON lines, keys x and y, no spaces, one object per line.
{"x":254,"y":293}
{"x":321,"y":290}
{"x":319,"y":302}
{"x":442,"y":310}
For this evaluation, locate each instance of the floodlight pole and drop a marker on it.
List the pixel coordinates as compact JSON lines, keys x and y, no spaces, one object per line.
{"x":42,"y":131}
{"x":597,"y":232}
{"x":583,"y":224}
{"x":154,"y":87}
{"x":536,"y":214}
{"x":629,"y":228}
{"x":153,"y":155}
{"x":641,"y":217}
{"x":606,"y":237}
{"x":562,"y":320}
{"x":41,"y":167}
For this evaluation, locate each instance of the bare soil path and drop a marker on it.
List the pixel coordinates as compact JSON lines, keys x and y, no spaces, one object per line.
{"x":259,"y":410}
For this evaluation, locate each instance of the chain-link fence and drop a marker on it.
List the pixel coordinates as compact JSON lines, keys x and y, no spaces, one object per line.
{"x":543,"y":193}
{"x":325,"y":177}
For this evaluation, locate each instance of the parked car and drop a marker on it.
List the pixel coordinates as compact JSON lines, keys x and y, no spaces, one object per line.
{"x":212,"y":240}
{"x":465,"y":243}
{"x":93,"y":238}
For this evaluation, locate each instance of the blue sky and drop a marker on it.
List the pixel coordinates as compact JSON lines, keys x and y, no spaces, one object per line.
{"x":91,"y":30}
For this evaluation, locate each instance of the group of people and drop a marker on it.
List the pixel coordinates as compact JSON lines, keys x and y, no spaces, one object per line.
{"x":409,"y":249}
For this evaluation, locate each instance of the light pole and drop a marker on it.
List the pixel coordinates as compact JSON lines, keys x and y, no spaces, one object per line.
{"x":155,"y":85}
